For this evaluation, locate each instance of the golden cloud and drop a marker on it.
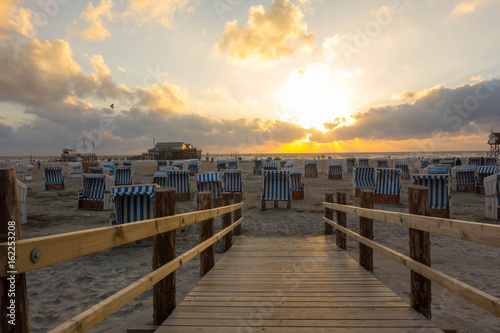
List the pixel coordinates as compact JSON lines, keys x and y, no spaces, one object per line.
{"x":152,"y":11}
{"x":466,"y":7}
{"x":413,"y":94}
{"x":16,"y":19}
{"x":94,"y":16}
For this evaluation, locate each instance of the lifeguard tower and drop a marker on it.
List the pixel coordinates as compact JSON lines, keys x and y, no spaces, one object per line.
{"x":494,"y":142}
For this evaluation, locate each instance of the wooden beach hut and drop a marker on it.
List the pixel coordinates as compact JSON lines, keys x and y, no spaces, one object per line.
{"x":492,"y":196}
{"x":335,"y":170}
{"x":133,"y":203}
{"x":363,"y":179}
{"x":232,"y":181}
{"x":388,"y":185}
{"x":439,"y":193}
{"x":311,"y":169}
{"x":96,"y":192}
{"x":276,"y":189}
{"x":54,"y":179}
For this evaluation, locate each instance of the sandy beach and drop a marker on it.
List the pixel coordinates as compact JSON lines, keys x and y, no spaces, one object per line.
{"x":58,"y":293}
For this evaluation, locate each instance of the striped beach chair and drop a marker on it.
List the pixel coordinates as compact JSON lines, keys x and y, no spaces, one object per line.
{"x":75,"y":169}
{"x":257,"y":168}
{"x":448,"y":161}
{"x":168,"y":168}
{"x":220,"y":165}
{"x":482,"y":173}
{"x":350,"y":164}
{"x":404,"y":167}
{"x":363,"y":179}
{"x":335,"y":170}
{"x":276,"y":189}
{"x":422,"y":165}
{"x":179,"y":179}
{"x":24,"y":171}
{"x":232,"y":164}
{"x":115,"y":163}
{"x":492,"y":196}
{"x":270,"y":166}
{"x":439,"y":193}
{"x":463,"y":178}
{"x":160,"y":178}
{"x":436,"y":169}
{"x":490,"y":161}
{"x":133,"y":203}
{"x":232,"y":181}
{"x":96,"y":192}
{"x":296,"y":184}
{"x":364,"y":162}
{"x":282,"y":163}
{"x":310,"y":169}
{"x":179,"y":165}
{"x":123,"y":176}
{"x":98,"y":171}
{"x":22,"y":193}
{"x":382,"y":164}
{"x":128,"y":163}
{"x":210,"y":182}
{"x":194,"y":167}
{"x":388,"y":185}
{"x":54,"y":179}
{"x":161,"y":163}
{"x":476,"y":161}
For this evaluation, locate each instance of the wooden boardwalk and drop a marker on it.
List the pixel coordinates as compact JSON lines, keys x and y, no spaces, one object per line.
{"x":292,"y":285}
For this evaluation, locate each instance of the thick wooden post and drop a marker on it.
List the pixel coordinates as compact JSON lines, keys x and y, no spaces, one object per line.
{"x":13,"y":295}
{"x":328,"y":214}
{"x":420,"y":250}
{"x":226,"y":222}
{"x":207,"y":256}
{"x":163,"y":252}
{"x":237,"y":213}
{"x":342,"y":220}
{"x":366,"y":230}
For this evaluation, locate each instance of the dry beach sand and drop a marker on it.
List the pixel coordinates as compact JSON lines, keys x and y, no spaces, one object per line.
{"x":59,"y":292}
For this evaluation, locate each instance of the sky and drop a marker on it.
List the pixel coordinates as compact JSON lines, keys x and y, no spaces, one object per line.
{"x":253,"y":76}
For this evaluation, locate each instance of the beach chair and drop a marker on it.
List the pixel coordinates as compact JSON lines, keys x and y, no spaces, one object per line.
{"x":436,"y":169}
{"x":335,"y":170}
{"x":54,"y":179}
{"x":232,"y":164}
{"x":310,"y":169}
{"x":194,"y":167}
{"x":422,"y":165}
{"x":439,"y":193}
{"x":257,"y":166}
{"x":22,"y":193}
{"x":492,"y":196}
{"x":115,"y":163}
{"x":350,"y":164}
{"x":160,"y":178}
{"x":179,"y":179}
{"x":296,"y":184}
{"x":282,"y":163}
{"x":363,"y":179}
{"x":128,"y":163}
{"x":364,"y":162}
{"x":209,"y":182}
{"x":482,"y":173}
{"x":270,"y":166}
{"x":179,"y":165}
{"x":448,"y":161}
{"x":88,"y":165}
{"x":161,"y":163}
{"x":168,"y":168}
{"x":220,"y":165}
{"x":123,"y":176}
{"x":435,"y":160}
{"x":388,"y":185}
{"x":75,"y":169}
{"x":23,"y":171}
{"x":490,"y":161}
{"x":232,"y":181}
{"x":133,"y":203}
{"x":404,"y":167}
{"x":382,"y":164}
{"x":463,"y":178}
{"x":96,"y":192}
{"x":111,"y":168}
{"x":276,"y":189}
{"x":99,"y":171}
{"x":476,"y":161}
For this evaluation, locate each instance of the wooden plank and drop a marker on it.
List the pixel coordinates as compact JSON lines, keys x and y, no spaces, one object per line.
{"x":253,"y":327}
{"x":226,"y":222}
{"x":328,"y":214}
{"x":207,"y":257}
{"x":481,"y":233}
{"x":366,"y":230}
{"x":342,"y":220}
{"x":58,"y":248}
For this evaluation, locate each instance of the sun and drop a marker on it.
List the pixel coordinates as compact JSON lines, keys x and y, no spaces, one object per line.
{"x":315,"y":95}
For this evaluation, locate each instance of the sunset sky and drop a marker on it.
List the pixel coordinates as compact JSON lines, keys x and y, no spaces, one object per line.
{"x":249,"y":75}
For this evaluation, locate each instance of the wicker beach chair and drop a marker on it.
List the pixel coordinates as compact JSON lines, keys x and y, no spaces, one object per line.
{"x":209,"y":182}
{"x":404,"y":167}
{"x":482,"y":173}
{"x":492,"y":196}
{"x":350,"y":164}
{"x":194,"y":167}
{"x":276,"y":189}
{"x":123,"y":176}
{"x":463,"y":178}
{"x":439,"y":193}
{"x":133,"y":203}
{"x":54,"y":179}
{"x":310,"y":169}
{"x":232,"y":181}
{"x":388,"y":185}
{"x":257,"y":166}
{"x":179,"y":179}
{"x":96,"y":192}
{"x":335,"y":170}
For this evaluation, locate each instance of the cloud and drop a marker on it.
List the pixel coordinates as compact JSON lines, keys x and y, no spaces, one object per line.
{"x":153,"y":12}
{"x":122,"y":70}
{"x":268,"y":37}
{"x":17,"y":20}
{"x":467,"y":7}
{"x":413,"y":94}
{"x":94,"y":16}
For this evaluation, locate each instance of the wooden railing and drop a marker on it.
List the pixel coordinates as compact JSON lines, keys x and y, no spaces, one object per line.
{"x":31,"y":254}
{"x":419,"y":259}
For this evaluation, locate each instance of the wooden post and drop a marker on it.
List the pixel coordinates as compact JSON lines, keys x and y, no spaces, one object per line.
{"x":226,"y":222}
{"x":342,"y":220}
{"x":13,"y":295}
{"x":328,"y":214}
{"x":366,"y":230}
{"x":207,"y":256}
{"x":237,"y":213}
{"x":420,"y":250}
{"x":163,"y":252}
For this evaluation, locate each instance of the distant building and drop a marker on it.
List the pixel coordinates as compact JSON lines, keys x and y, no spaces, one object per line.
{"x":67,"y":152}
{"x":174,"y":151}
{"x":494,"y":142}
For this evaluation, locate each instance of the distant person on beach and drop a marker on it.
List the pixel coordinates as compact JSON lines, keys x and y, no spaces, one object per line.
{"x":38,"y":163}
{"x":482,"y":160}
{"x":458,"y":162}
{"x":212,"y":160}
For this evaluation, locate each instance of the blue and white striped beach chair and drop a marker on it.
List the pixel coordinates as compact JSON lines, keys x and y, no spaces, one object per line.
{"x":404,"y":167}
{"x":168,"y":168}
{"x":161,"y":163}
{"x":270,"y":166}
{"x":382,"y":164}
{"x":464,"y":178}
{"x":133,"y":203}
{"x":179,"y":180}
{"x":22,"y":193}
{"x":220,"y":165}
{"x":482,"y":173}
{"x":160,"y":178}
{"x":128,"y":163}
{"x":232,"y":181}
{"x":476,"y":161}
{"x":232,"y":164}
{"x":210,"y":182}
{"x":335,"y":170}
{"x":96,"y":170}
{"x":350,"y":164}
{"x":490,"y":161}
{"x":194,"y":167}
{"x":437,"y":169}
{"x":388,"y":185}
{"x":364,"y":162}
{"x":363,"y":179}
{"x":96,"y":192}
{"x":296,"y":184}
{"x":492,"y":196}
{"x":177,"y":164}
{"x":276,"y":189}
{"x":439,"y":193}
{"x":54,"y":179}
{"x":422,"y":165}
{"x":123,"y":176}
{"x":448,"y":161}
{"x":257,"y":166}
{"x":310,"y":169}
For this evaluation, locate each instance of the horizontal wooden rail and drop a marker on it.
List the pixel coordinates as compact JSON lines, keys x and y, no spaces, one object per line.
{"x":58,"y":248}
{"x":481,"y":233}
{"x":91,"y":317}
{"x":476,"y":296}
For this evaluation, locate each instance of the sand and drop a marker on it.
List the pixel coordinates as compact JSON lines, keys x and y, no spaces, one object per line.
{"x":59,"y":292}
